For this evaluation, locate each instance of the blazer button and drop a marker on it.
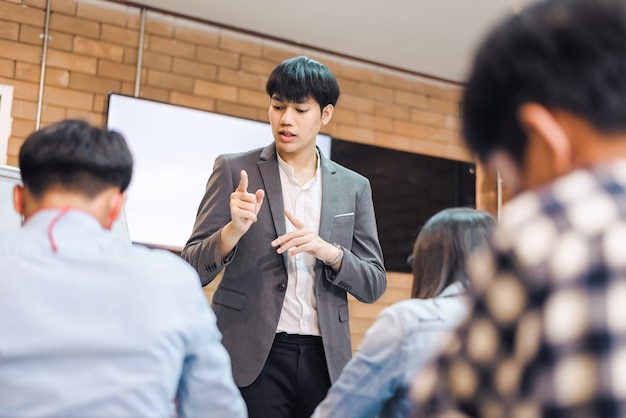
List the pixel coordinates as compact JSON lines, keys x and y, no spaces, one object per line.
{"x":281,"y":287}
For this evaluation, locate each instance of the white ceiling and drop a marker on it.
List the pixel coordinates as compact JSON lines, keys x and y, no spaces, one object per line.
{"x":431,"y":37}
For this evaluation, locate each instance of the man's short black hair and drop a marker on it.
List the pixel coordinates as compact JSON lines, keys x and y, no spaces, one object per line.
{"x":75,"y":156}
{"x":562,"y":54}
{"x":299,"y":78}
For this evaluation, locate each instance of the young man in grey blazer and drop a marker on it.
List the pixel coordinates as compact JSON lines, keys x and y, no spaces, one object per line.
{"x":293,"y":232}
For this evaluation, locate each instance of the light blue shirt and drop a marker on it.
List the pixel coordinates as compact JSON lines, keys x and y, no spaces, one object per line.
{"x":404,"y":337}
{"x":101,"y":328}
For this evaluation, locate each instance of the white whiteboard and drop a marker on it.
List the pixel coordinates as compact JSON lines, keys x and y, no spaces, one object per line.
{"x":10,"y":218}
{"x":174,"y":149}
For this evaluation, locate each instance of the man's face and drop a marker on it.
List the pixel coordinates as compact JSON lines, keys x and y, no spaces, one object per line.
{"x":295,"y":125}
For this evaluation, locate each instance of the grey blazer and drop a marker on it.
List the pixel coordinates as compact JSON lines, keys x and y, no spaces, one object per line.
{"x":250,"y":295}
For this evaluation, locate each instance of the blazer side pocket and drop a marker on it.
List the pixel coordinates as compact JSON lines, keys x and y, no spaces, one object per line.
{"x":229,"y":298}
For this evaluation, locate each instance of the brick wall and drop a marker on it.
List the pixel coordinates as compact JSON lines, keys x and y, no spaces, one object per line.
{"x":93,"y":50}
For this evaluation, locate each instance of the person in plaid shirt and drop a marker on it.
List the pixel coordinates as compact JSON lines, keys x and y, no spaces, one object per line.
{"x":545,"y":105}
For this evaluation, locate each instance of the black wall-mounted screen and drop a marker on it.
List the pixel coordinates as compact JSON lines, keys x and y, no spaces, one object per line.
{"x":407,"y":189}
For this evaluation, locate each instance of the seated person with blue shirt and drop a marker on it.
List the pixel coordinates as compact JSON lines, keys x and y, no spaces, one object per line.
{"x":408,"y":334}
{"x":92,"y":326}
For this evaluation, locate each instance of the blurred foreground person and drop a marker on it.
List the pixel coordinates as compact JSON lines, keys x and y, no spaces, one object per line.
{"x":92,"y":326}
{"x":409,"y":333}
{"x":545,"y":104}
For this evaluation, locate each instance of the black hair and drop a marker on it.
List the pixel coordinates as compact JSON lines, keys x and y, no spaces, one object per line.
{"x":299,"y":78}
{"x":442,"y":247}
{"x":562,"y":54}
{"x":75,"y":156}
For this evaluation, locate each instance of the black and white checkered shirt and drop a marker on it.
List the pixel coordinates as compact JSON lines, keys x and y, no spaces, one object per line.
{"x":547,"y":337}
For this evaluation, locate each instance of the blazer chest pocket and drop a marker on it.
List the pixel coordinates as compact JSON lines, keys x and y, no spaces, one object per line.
{"x":343,"y":229}
{"x":344,"y":315}
{"x":229,"y":298}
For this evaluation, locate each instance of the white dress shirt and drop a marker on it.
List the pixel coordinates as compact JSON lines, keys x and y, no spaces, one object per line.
{"x":299,"y":313}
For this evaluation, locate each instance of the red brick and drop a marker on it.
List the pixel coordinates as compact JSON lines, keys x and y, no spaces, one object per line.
{"x":192,"y":101}
{"x":344,"y":117}
{"x":348,"y":133}
{"x":99,"y":49}
{"x":9,"y":30}
{"x":24,"y":109}
{"x":116,"y":70}
{"x":374,"y":123}
{"x":427,"y":118}
{"x":157,"y":61}
{"x":239,"y":78}
{"x":349,"y":87}
{"x":392,"y":111}
{"x":153,"y":93}
{"x":171,"y":47}
{"x":7,"y":68}
{"x":32,"y":72}
{"x":170,"y":81}
{"x":444,"y":106}
{"x":100,"y":102}
{"x":160,"y":24}
{"x":242,"y":44}
{"x":19,"y":14}
{"x":194,"y":69}
{"x":130,"y":56}
{"x":410,"y":99}
{"x":233,"y":109}
{"x":253,"y":98}
{"x":67,"y":7}
{"x":275,"y":52}
{"x":215,"y":90}
{"x":72,"y":62}
{"x":20,"y":128}
{"x":257,"y":66}
{"x":60,"y":41}
{"x":75,"y":25}
{"x":31,"y":35}
{"x":92,"y":84}
{"x":87,"y":116}
{"x":377,"y":93}
{"x":104,"y":12}
{"x":218,"y":57}
{"x":357,"y":104}
{"x":122,"y":36}
{"x":22,"y":90}
{"x":20,"y":52}
{"x":196,"y":34}
{"x":67,"y":98}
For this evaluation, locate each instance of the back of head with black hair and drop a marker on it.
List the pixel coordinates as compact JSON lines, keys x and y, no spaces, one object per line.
{"x":74,"y":156}
{"x":299,"y":78}
{"x":562,"y":54}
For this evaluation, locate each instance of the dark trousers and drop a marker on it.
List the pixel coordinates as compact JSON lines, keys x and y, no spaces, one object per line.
{"x":293,"y":381}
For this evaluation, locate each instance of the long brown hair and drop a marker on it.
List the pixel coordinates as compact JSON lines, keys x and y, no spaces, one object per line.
{"x":442,"y":247}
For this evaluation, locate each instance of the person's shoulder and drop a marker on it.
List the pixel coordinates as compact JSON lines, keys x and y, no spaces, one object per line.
{"x":162,"y":263}
{"x":243,"y":155}
{"x":345,"y":171}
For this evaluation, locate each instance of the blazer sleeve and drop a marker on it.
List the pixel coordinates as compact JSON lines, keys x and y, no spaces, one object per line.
{"x":203,"y":249}
{"x":362,"y":272}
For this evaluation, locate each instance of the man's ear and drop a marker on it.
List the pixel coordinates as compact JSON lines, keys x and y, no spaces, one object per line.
{"x":116,"y":203}
{"x":18,"y":199}
{"x":540,"y":123}
{"x":327,"y":114}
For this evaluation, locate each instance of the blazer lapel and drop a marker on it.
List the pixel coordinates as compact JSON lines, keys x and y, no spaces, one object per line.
{"x":268,"y":167}
{"x":330,"y":197}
